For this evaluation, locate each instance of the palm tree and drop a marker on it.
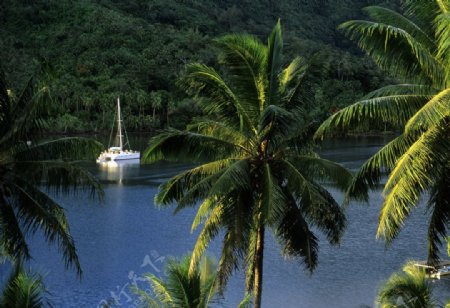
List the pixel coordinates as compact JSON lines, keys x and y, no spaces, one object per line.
{"x":257,"y":169}
{"x":28,"y":167}
{"x":409,"y":289}
{"x":181,"y":289}
{"x":414,"y":47}
{"x":24,"y":290}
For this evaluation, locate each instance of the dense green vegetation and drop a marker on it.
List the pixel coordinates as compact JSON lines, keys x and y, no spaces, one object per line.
{"x":94,"y":51}
{"x":258,"y":171}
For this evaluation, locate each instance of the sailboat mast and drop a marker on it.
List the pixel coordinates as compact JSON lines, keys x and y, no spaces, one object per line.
{"x":119,"y":124}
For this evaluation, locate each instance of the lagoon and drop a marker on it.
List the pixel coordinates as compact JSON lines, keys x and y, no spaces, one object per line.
{"x":124,"y":236}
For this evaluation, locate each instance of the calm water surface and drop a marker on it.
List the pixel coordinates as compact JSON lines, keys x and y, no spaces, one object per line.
{"x":125,"y":236}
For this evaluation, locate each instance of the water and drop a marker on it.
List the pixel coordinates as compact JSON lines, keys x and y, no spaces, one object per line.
{"x":125,"y":236}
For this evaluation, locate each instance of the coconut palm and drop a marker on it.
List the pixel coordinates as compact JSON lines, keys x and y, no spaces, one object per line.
{"x":24,"y":290}
{"x":29,"y":169}
{"x":414,"y":47}
{"x":257,"y":170}
{"x":409,"y":289}
{"x":181,"y":289}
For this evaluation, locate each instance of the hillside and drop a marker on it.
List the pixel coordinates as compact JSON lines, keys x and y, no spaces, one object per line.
{"x":96,"y":50}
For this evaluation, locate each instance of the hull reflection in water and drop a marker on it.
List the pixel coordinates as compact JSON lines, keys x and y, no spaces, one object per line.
{"x":116,"y":171}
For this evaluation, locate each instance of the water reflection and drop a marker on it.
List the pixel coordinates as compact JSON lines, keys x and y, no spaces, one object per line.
{"x":116,"y":171}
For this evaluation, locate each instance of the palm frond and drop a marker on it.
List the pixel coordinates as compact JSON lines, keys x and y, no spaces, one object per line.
{"x":209,"y":231}
{"x":298,"y":91}
{"x":237,"y":224}
{"x":439,"y":206}
{"x":184,"y":288}
{"x":203,"y":212}
{"x":387,"y":16}
{"x":246,"y":59}
{"x":443,"y":36}
{"x":207,"y":180}
{"x":24,"y":290}
{"x":5,"y":104}
{"x":402,"y":89}
{"x":295,"y":237}
{"x":145,"y":299}
{"x":444,"y":6}
{"x":236,"y":176}
{"x":160,"y":290}
{"x":394,"y":109}
{"x":59,"y":176}
{"x":38,"y":212}
{"x":18,"y":115}
{"x":274,"y":62}
{"x":219,"y":130}
{"x":230,"y":255}
{"x":292,"y":73}
{"x":382,"y":162}
{"x":431,"y":113}
{"x":414,"y":173}
{"x":320,"y":169}
{"x":275,"y":125}
{"x":12,"y":239}
{"x":250,"y":261}
{"x":221,"y":100}
{"x":395,"y":50}
{"x":191,"y":184}
{"x":315,"y":203}
{"x":178,"y":288}
{"x":175,"y":145}
{"x":246,"y":301}
{"x":208,"y":274}
{"x":423,"y":12}
{"x":200,"y":182}
{"x":68,"y":148}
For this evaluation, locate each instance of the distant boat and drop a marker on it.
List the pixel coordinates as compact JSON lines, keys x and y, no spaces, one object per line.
{"x":117,"y":152}
{"x":435,"y":272}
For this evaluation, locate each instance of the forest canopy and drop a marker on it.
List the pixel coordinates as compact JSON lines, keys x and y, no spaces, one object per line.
{"x":89,"y":52}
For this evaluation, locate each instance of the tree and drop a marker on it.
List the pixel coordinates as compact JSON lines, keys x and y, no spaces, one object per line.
{"x":27,"y":165}
{"x":24,"y":290}
{"x":257,"y":169}
{"x":409,"y":289}
{"x":181,"y":289}
{"x":414,"y":47}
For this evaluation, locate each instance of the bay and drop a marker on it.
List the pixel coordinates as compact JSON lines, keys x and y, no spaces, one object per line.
{"x":125,"y":235}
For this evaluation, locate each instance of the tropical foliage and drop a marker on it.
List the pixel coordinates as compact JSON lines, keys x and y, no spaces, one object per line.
{"x":414,"y":47}
{"x":409,"y":289}
{"x":257,"y":169}
{"x":24,"y":290}
{"x":100,"y":50}
{"x":181,"y":289}
{"x":28,"y":167}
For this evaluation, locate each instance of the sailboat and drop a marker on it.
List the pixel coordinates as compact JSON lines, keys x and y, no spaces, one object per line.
{"x":117,"y":152}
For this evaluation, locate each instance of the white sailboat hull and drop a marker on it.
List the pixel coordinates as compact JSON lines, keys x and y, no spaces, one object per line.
{"x":118,"y":155}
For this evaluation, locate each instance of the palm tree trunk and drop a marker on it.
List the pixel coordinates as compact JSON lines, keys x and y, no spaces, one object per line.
{"x":257,"y":286}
